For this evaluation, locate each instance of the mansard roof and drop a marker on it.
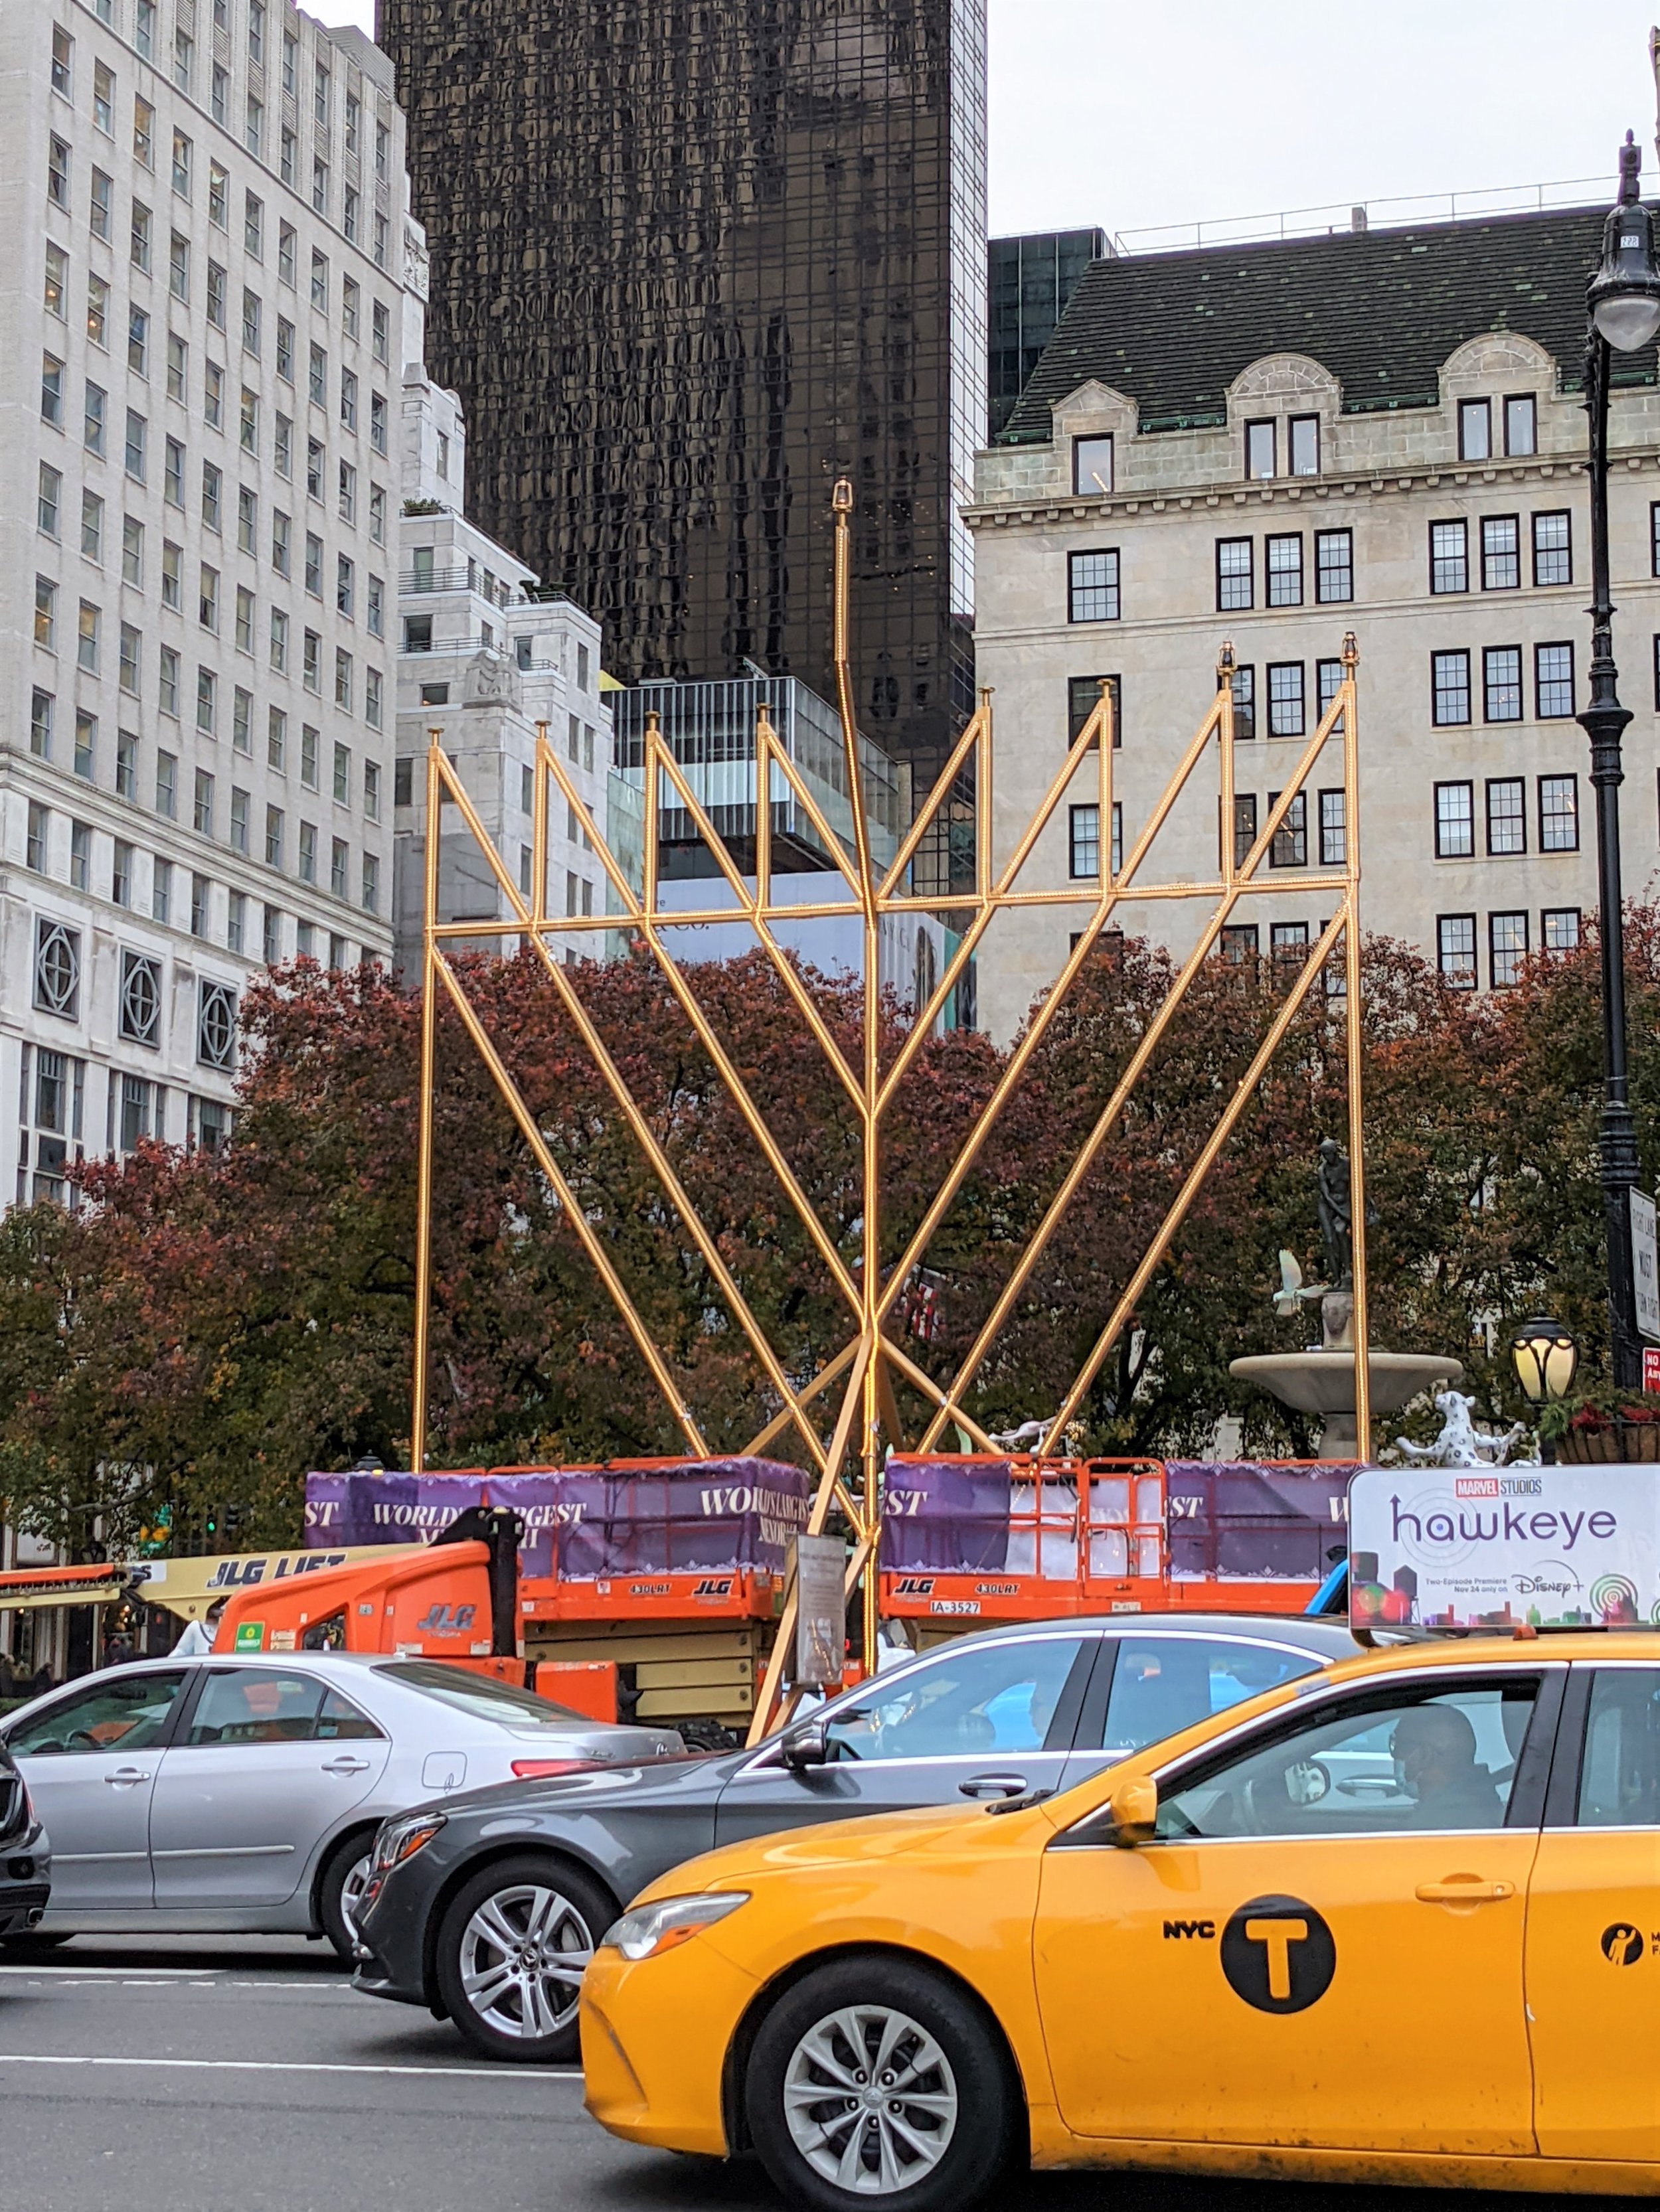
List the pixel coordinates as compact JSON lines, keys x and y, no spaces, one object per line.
{"x":1382,"y":309}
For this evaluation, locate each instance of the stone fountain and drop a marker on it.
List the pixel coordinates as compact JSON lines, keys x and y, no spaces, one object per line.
{"x":1322,"y":1379}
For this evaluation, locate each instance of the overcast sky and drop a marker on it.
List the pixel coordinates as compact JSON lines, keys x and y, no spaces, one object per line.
{"x":1136,"y":113}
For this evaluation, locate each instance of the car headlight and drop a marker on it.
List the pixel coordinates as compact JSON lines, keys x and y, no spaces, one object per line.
{"x":649,"y":1929}
{"x":400,"y":1839}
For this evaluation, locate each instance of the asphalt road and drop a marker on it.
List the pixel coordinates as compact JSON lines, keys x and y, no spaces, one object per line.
{"x":202,"y":2075}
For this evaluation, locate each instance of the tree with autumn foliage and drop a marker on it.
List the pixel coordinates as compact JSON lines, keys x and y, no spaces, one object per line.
{"x":206,"y":1327}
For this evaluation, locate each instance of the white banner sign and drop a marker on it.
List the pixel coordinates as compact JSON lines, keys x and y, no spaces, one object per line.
{"x":1644,"y":1272}
{"x":1460,"y":1547}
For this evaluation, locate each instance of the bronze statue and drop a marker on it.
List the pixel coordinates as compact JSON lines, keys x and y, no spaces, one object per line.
{"x":1336,"y":1208}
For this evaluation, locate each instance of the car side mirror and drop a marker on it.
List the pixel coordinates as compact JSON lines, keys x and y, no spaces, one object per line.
{"x":805,"y":1747}
{"x":1133,"y":1810}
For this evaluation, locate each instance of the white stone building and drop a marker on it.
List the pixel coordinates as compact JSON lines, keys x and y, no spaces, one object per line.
{"x":202,"y":273}
{"x":483,"y":657}
{"x":1274,"y":445}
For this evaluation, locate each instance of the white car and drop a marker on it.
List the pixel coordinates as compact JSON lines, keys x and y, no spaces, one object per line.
{"x":228,"y":1793}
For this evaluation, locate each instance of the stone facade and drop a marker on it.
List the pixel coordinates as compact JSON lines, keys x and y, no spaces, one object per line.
{"x":1476,"y":811}
{"x":202,"y":266}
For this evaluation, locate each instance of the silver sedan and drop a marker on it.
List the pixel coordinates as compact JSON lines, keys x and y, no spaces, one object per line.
{"x":228,"y":1793}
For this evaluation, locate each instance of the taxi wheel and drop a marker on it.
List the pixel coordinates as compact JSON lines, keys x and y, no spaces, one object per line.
{"x":510,"y":1956}
{"x":876,"y":2080}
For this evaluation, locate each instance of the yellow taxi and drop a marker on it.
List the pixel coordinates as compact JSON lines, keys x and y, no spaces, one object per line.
{"x":1396,"y":1922}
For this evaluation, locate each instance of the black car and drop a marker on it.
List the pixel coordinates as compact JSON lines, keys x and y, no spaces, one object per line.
{"x":486,"y":1906}
{"x":25,"y":1855}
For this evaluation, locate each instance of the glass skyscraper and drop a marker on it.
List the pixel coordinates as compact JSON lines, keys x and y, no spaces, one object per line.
{"x":691,"y":261}
{"x":1029,"y":281}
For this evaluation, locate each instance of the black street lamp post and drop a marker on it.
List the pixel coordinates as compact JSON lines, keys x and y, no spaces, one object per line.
{"x":1623,"y":303}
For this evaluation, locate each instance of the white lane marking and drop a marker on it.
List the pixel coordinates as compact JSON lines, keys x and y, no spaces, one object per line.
{"x":67,"y":1981}
{"x":119,"y":1974}
{"x":296,"y":2066}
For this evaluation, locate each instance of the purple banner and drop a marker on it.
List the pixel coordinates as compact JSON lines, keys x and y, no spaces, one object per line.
{"x":949,"y":1515}
{"x":1247,"y":1518}
{"x":582,"y":1524}
{"x":1231,"y":1520}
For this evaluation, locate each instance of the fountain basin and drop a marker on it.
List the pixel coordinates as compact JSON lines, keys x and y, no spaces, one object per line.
{"x":1322,"y":1382}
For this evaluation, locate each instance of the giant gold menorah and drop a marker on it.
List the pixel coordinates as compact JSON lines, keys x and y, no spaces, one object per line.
{"x":848,"y":1460}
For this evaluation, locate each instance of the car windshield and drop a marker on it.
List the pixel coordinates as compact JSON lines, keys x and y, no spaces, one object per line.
{"x":478,"y":1694}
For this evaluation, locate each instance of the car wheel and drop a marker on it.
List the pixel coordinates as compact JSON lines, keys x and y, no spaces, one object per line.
{"x":873,"y":2080}
{"x":510,"y":1957}
{"x":341,"y":1889}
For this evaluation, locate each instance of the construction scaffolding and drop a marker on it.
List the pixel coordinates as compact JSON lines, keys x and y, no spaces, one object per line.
{"x":848,"y":1459}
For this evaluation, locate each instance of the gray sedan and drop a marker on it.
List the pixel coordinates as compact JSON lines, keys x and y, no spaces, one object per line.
{"x":487,"y":1907}
{"x":229,"y":1794}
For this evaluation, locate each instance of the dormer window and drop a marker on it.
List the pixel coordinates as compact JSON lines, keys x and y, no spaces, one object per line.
{"x":1302,"y":437}
{"x":1260,"y":443}
{"x":1092,"y":467}
{"x":1474,"y":430}
{"x":1521,"y":425}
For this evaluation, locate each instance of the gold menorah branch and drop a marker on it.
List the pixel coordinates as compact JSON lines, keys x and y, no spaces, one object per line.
{"x":865,"y":1370}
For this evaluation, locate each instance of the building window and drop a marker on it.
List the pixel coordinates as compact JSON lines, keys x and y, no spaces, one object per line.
{"x":1244,"y":826}
{"x":1083,"y":697}
{"x":35,"y":841}
{"x":339,"y":867}
{"x":1449,"y":569}
{"x":121,"y":872}
{"x":1260,"y":461}
{"x":162,"y":891}
{"x":240,"y":804}
{"x":1334,"y":829}
{"x":1521,"y":426}
{"x":372,"y":884}
{"x":1235,"y":585}
{"x":167,"y":779}
{"x":236,"y":921}
{"x":1654,"y":538}
{"x":1507,"y":949}
{"x":63,"y":52}
{"x":57,"y":970}
{"x":1455,"y":950}
{"x":85,"y":743}
{"x":272,"y":936}
{"x":372,"y":697}
{"x":126,"y":765}
{"x":341,"y":785}
{"x":1553,"y":549}
{"x":1285,"y":710}
{"x":1085,"y":843}
{"x":241,"y":720}
{"x":41,"y":704}
{"x":1450,"y":674}
{"x":1092,"y":467}
{"x":101,"y":222}
{"x":1303,"y":442}
{"x":1559,"y":814}
{"x":215,"y":1025}
{"x":273,"y":836}
{"x":307,"y":864}
{"x":1283,"y":563}
{"x":81,"y":856}
{"x":1092,"y":586}
{"x":46,"y":613}
{"x":1333,"y":566}
{"x":372,"y":791}
{"x":1328,"y":682}
{"x":1454,"y":821}
{"x":1553,"y":682}
{"x":1559,"y":929}
{"x":48,"y":501}
{"x":140,"y":1017}
{"x":309,"y":741}
{"x":1240,"y":943}
{"x":1290,"y":848}
{"x":1501,"y":683}
{"x":1474,"y":430}
{"x":1507,"y":816}
{"x":1501,"y":553}
{"x":58,"y":173}
{"x":1244,"y":703}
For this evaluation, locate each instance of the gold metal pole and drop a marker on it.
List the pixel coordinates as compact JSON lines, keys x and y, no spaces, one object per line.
{"x":423,"y":1153}
{"x":1361,"y":1321}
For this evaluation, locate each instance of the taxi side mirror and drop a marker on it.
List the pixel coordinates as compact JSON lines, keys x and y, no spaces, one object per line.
{"x":1133,"y":1810}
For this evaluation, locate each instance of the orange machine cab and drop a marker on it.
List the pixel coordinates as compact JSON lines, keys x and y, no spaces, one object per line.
{"x":437,"y":1601}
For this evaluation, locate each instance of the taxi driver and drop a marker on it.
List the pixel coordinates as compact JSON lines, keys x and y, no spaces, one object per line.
{"x":1434,"y":1747}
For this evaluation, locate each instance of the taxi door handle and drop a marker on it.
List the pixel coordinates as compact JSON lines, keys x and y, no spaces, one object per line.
{"x":994,"y":1785}
{"x":345,"y":1765}
{"x":123,"y":1777}
{"x":1464,"y":1892}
